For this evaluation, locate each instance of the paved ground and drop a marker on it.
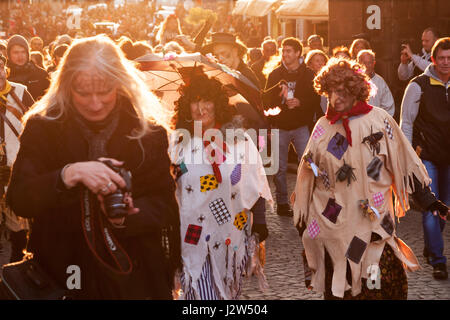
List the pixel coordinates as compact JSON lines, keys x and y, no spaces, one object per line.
{"x":284,"y":269}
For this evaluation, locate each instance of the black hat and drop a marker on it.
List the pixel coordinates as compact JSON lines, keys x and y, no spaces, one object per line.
{"x":224,"y":38}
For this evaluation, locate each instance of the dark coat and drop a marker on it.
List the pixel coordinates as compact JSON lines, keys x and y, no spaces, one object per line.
{"x":30,"y":75}
{"x":57,"y":241}
{"x":290,"y":119}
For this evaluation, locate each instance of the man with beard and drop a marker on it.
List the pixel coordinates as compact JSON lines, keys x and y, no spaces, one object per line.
{"x":24,"y":71}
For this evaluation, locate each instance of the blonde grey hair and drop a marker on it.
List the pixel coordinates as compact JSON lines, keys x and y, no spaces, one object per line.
{"x":365,"y":51}
{"x":101,"y":54}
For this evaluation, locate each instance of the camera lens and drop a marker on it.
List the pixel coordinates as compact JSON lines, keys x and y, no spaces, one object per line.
{"x":115,"y":206}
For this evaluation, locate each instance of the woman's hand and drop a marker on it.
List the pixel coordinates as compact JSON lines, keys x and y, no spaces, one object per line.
{"x":95,"y":176}
{"x":101,"y":180}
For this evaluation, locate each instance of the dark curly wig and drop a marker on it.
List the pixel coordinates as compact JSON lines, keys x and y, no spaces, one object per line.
{"x":200,"y":87}
{"x":343,"y":71}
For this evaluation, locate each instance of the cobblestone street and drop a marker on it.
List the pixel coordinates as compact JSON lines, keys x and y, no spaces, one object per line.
{"x":284,"y":267}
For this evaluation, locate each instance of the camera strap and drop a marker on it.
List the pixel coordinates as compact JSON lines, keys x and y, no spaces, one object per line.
{"x":92,"y":219}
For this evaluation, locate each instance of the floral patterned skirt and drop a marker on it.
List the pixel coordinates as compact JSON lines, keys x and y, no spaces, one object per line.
{"x":394,"y":283}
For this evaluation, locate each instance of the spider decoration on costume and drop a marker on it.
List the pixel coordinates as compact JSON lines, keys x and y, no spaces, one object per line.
{"x":374,"y":141}
{"x":233,"y":195}
{"x":345,"y":173}
{"x":189,"y":189}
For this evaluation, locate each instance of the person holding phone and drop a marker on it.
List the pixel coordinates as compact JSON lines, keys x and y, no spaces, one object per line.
{"x":290,"y":87}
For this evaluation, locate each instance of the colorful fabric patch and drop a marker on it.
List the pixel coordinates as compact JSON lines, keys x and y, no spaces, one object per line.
{"x":313,"y":229}
{"x":179,"y":170}
{"x":325,"y":179}
{"x":332,"y":210}
{"x":236,"y":174}
{"x":378,"y":199}
{"x":374,"y":168}
{"x":356,"y":250}
{"x":338,"y":145}
{"x":318,"y":132}
{"x":375,"y":237}
{"x":387,"y":224}
{"x":389,"y":130}
{"x":240,"y":220}
{"x":220,"y":211}
{"x":208,"y":182}
{"x":193,"y":234}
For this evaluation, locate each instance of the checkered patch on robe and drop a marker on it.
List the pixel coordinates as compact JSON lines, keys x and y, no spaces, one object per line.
{"x":193,"y":233}
{"x":378,"y":199}
{"x":220,"y":211}
{"x":318,"y":132}
{"x":389,"y":130}
{"x":236,"y":174}
{"x":240,"y":220}
{"x":208,"y":182}
{"x":313,"y":229}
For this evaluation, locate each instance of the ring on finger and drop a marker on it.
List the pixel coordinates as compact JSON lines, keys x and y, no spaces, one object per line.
{"x":109,"y":185}
{"x":104,"y":189}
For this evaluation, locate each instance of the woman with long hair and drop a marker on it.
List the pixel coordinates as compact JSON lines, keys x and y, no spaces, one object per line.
{"x":93,"y":174}
{"x":169,"y":29}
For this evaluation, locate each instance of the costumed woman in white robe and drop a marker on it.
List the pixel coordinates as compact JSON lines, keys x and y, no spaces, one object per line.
{"x":219,"y":181}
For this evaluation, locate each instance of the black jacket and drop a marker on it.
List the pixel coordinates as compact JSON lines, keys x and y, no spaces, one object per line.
{"x":34,"y":78}
{"x":290,"y":119}
{"x":431,"y":129}
{"x":57,"y":240}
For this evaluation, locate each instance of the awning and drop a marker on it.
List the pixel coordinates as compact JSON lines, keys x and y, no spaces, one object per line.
{"x":260,"y":8}
{"x":254,"y":8}
{"x":305,"y":9}
{"x":240,"y":7}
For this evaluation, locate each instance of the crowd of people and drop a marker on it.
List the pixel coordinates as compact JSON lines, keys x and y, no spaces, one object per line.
{"x":97,"y":172}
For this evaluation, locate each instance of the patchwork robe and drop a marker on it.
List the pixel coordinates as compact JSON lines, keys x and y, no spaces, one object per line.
{"x":330,"y":209}
{"x":215,"y":221}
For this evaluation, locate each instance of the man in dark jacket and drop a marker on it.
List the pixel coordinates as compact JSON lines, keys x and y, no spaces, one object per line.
{"x":290,"y":87}
{"x":23,"y":70}
{"x":425,"y":120}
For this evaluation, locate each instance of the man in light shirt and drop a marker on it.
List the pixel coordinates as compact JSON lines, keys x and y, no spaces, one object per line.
{"x":383,"y":97}
{"x":413,"y":64}
{"x":425,"y":121}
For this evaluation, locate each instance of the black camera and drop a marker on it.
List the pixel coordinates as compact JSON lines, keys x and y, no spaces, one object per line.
{"x":115,"y":205}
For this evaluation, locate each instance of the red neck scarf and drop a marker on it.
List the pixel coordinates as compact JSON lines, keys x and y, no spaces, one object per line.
{"x":360,"y":107}
{"x":215,"y":165}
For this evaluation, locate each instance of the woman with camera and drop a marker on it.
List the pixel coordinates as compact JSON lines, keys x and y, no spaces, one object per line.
{"x":93,"y":174}
{"x":220,"y":179}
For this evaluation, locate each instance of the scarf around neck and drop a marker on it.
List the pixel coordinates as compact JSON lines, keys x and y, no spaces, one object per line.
{"x":361,"y":107}
{"x":5,"y":91}
{"x":97,"y":134}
